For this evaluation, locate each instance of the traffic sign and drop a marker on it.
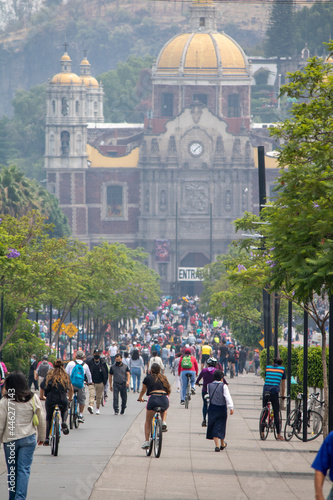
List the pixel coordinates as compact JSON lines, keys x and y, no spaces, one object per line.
{"x":70,"y":330}
{"x":262,"y":342}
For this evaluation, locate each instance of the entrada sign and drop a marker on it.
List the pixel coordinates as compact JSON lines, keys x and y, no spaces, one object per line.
{"x":190,"y":274}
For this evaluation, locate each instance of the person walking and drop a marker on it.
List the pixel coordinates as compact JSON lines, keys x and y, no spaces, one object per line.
{"x":99,"y":374}
{"x":19,"y":441}
{"x":56,"y":385}
{"x":136,"y":365}
{"x":119,"y":379}
{"x":32,"y":377}
{"x":219,"y":400}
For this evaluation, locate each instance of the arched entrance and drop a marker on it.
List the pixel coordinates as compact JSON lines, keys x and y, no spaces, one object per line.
{"x":192,"y":259}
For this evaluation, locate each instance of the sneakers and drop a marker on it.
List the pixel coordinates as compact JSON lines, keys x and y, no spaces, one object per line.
{"x":81,"y":419}
{"x":122,"y":412}
{"x":64,"y":427}
{"x":182,"y":402}
{"x":46,"y":442}
{"x":164,"y":427}
{"x":193,"y":390}
{"x":145,"y":445}
{"x":203,"y":423}
{"x":91,"y":409}
{"x":97,"y":411}
{"x":116,"y":412}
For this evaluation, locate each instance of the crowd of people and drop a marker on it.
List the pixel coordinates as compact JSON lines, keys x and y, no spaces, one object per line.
{"x":175,"y":339}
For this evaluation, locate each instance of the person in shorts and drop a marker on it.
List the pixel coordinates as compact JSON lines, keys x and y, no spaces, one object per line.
{"x":157,"y":387}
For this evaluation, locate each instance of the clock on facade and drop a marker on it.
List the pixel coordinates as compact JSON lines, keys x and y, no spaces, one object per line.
{"x":195,"y":148}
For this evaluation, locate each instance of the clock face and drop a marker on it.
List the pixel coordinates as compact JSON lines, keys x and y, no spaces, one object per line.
{"x":196,"y":148}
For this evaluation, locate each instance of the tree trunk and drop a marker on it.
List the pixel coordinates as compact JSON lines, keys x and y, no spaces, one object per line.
{"x":13,"y":330}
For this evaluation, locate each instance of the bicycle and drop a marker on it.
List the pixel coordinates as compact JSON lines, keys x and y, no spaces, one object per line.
{"x":55,"y":431}
{"x":294,"y":423}
{"x":188,"y":390}
{"x":266,"y":420}
{"x":74,"y":412}
{"x":155,"y":439}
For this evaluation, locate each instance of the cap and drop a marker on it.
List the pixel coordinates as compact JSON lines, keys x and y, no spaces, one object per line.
{"x":97,"y":351}
{"x":80,"y":354}
{"x":187,"y":351}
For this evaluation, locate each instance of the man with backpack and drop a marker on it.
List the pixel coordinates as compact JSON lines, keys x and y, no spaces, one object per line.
{"x":42,"y":370}
{"x":79,"y":372}
{"x":187,"y":364}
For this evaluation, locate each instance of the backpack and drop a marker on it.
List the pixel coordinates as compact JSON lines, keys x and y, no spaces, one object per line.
{"x":77,"y":375}
{"x":43,"y":369}
{"x":187,"y":363}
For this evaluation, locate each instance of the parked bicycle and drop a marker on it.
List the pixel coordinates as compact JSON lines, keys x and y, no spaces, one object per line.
{"x":55,"y":431}
{"x":294,"y":423}
{"x":266,"y":420}
{"x":155,"y":440}
{"x":74,"y":412}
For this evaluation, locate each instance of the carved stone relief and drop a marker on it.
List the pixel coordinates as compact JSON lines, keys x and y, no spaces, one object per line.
{"x":172,"y":150}
{"x":195,"y":197}
{"x":227,"y":200}
{"x":163,"y":200}
{"x":154,"y":147}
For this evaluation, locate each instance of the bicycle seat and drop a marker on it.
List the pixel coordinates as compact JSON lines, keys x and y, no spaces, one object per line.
{"x":158,"y":409}
{"x":267,"y":394}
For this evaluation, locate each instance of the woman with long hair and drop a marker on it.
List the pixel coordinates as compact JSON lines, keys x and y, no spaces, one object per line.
{"x":136,"y":365}
{"x":157,"y":387}
{"x":56,"y":385}
{"x":18,"y":433}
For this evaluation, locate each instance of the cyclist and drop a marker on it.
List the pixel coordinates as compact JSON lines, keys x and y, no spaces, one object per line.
{"x":56,"y":385}
{"x":81,"y":391}
{"x":274,"y":376}
{"x":187,"y":364}
{"x":157,"y":387}
{"x":207,"y":374}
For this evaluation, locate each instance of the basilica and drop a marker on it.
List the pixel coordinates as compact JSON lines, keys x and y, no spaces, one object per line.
{"x":174,"y":184}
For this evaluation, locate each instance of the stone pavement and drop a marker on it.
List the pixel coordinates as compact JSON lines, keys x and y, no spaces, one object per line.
{"x":189,"y":468}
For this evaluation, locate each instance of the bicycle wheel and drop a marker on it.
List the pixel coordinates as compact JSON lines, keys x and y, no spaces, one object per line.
{"x":274,"y":428}
{"x":314,"y":427}
{"x":76,"y":415}
{"x":263,"y":425}
{"x":56,"y":436}
{"x":151,"y":440}
{"x":291,"y":425}
{"x":158,"y":438}
{"x":71,"y":414}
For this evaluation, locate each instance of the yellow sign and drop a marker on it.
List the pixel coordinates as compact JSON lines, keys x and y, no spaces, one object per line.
{"x":70,"y":330}
{"x":55,"y":325}
{"x":262,"y":342}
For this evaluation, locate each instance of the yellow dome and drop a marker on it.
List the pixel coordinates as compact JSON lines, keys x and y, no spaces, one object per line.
{"x":66,"y":79}
{"x":85,"y":61}
{"x":90,"y":81}
{"x":202,"y":54}
{"x":65,"y":57}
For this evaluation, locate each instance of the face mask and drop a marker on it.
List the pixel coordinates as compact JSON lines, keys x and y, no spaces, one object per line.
{"x":32,"y":360}
{"x":118,"y":362}
{"x":96,"y":358}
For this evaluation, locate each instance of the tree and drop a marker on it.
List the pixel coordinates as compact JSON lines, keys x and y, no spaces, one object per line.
{"x":280,"y":31}
{"x":297,"y":261}
{"x":19,"y":195}
{"x":313,"y":27}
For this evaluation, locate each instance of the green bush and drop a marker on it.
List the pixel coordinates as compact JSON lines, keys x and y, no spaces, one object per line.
{"x":315,"y":367}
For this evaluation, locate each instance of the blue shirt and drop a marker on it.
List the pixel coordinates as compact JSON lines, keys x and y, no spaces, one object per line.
{"x":324,"y":458}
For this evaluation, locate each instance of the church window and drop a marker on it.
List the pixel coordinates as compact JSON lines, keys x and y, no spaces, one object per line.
{"x":65,"y":143}
{"x":52,"y":144}
{"x":64,"y":106}
{"x":167,"y":104}
{"x":202,"y":21}
{"x":203,"y":98}
{"x":233,"y":106}
{"x":114,"y":201}
{"x":53,"y":106}
{"x":77,"y":107}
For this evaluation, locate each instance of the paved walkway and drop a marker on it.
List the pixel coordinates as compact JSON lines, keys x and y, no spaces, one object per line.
{"x":105,"y":461}
{"x":189,"y":469}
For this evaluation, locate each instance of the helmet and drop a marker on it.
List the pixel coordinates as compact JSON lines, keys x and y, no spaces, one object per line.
{"x":211,"y":362}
